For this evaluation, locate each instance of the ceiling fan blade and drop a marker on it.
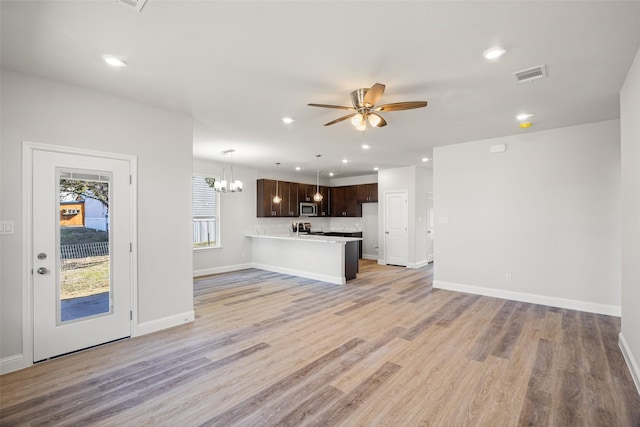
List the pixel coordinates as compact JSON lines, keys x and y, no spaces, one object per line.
{"x":398,"y":106}
{"x":373,"y":95}
{"x":338,"y":107}
{"x":381,"y":122}
{"x":339,"y":119}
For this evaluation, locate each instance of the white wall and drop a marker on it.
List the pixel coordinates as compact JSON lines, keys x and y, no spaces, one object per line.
{"x":370,"y":241}
{"x":44,"y":111}
{"x":354,"y":180}
{"x":630,"y":137}
{"x":237,"y":215}
{"x":547,"y":211}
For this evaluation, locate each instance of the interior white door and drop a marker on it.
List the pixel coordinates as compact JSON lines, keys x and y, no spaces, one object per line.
{"x":395,"y":228}
{"x":82,"y":289}
{"x":430,"y":227}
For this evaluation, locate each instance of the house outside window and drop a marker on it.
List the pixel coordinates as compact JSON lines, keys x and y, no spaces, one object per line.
{"x":206,"y":213}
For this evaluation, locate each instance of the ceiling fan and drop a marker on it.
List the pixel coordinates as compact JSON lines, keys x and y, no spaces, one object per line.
{"x":364,"y":108}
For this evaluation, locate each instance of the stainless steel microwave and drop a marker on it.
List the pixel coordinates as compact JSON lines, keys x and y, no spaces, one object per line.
{"x":308,"y":209}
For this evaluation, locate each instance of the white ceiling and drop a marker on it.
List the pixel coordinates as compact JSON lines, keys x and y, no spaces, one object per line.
{"x":237,"y":67}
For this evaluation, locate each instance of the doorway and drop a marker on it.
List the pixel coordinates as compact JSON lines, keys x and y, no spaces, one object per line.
{"x":81,"y":251}
{"x":395,"y":228}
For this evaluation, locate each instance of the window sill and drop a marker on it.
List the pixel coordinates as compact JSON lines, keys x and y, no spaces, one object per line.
{"x":207,"y":248}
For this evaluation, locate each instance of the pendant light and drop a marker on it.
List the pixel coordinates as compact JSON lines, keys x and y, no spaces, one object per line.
{"x":276,"y":198}
{"x":318,"y":196}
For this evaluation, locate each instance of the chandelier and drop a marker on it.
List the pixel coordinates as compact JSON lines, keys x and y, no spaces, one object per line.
{"x":224,"y":186}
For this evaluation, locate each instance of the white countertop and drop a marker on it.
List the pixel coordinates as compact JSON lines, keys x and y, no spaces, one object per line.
{"x":306,"y":238}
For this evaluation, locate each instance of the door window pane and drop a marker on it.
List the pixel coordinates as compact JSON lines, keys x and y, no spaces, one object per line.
{"x":84,"y":286}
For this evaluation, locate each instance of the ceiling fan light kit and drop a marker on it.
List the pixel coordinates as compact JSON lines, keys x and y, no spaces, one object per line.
{"x":365,"y":111}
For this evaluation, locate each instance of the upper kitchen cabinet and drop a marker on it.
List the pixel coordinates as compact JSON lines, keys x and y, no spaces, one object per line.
{"x":367,"y":193}
{"x":306,"y":192}
{"x":266,"y":190}
{"x":324,"y":207}
{"x":344,"y":201}
{"x":290,"y":204}
{"x":288,"y":192}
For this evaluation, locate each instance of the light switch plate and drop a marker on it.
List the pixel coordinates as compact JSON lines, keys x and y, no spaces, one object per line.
{"x":6,"y":227}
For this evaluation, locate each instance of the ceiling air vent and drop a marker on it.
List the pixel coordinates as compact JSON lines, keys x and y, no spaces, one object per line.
{"x":136,"y":4}
{"x":531,"y":74}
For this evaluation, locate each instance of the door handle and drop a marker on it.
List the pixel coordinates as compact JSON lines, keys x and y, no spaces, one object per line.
{"x":386,"y":232}
{"x":42,"y":270}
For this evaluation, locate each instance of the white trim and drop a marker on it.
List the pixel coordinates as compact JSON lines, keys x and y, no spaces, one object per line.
{"x":292,"y":272}
{"x":591,"y":307}
{"x":631,"y":361}
{"x":369,"y":256}
{"x":381,"y":262}
{"x":27,"y":249}
{"x":28,"y":148}
{"x":14,"y":363}
{"x":165,"y":322}
{"x":223,"y":269}
{"x":405,"y":192}
{"x":418,"y":264}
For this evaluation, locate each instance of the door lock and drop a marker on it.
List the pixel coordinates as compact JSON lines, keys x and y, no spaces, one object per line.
{"x":42,"y":270}
{"x":42,"y":256}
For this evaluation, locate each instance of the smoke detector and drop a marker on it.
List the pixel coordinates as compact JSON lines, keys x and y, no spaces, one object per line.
{"x":531,"y":74}
{"x":136,"y":4}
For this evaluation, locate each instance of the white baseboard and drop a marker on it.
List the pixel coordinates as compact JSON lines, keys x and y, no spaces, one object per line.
{"x":223,"y":269}
{"x":315,"y":276}
{"x":591,"y":307}
{"x":631,"y":361}
{"x":14,"y":363}
{"x":419,"y":264}
{"x":164,"y":323}
{"x":370,"y":256}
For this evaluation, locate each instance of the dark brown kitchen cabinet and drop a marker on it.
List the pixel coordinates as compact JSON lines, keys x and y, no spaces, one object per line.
{"x":266,"y":190}
{"x":324,"y":207}
{"x":367,"y":193}
{"x":344,"y":201}
{"x":290,"y":206}
{"x":288,"y":192}
{"x":306,"y":192}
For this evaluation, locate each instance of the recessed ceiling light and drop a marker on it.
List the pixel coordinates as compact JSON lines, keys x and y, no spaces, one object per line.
{"x":298,"y":168}
{"x":331,"y":173}
{"x":365,"y":146}
{"x":494,"y":52}
{"x":345,"y":161}
{"x":425,"y":159}
{"x":114,"y":61}
{"x":525,"y":125}
{"x":523,"y":116}
{"x":288,"y":120}
{"x":376,"y":168}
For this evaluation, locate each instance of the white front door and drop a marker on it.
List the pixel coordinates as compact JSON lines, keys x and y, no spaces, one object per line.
{"x":395,"y":228}
{"x":430,"y":227}
{"x":81,"y":275}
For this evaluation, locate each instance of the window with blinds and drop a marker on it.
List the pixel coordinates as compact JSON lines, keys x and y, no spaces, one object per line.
{"x":205,"y":213}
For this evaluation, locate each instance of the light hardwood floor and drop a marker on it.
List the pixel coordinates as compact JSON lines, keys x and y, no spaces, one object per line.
{"x":384,"y":350}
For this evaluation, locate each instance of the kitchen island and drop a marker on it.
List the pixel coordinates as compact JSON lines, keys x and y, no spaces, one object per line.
{"x":332,"y":259}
